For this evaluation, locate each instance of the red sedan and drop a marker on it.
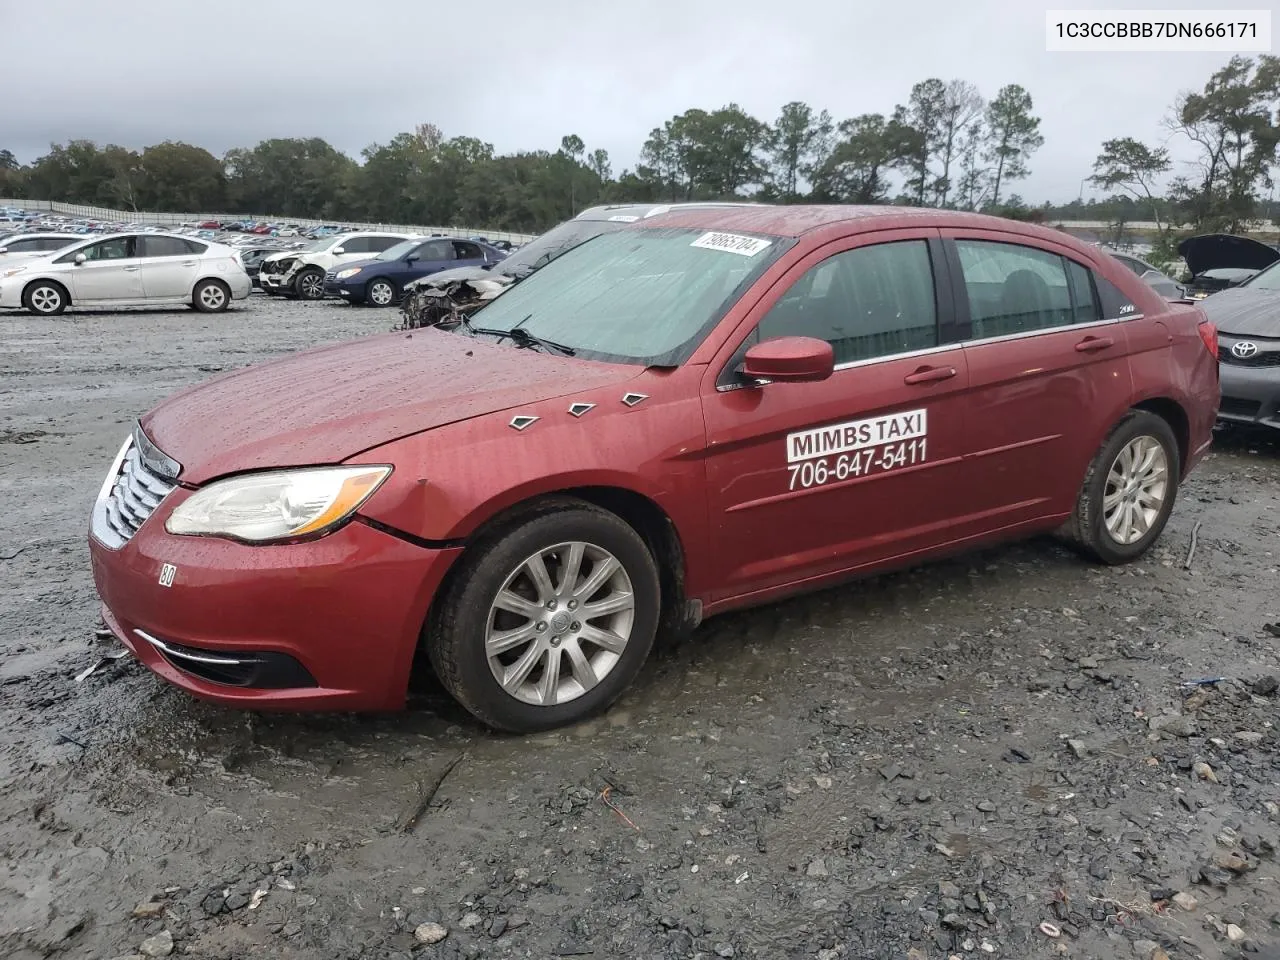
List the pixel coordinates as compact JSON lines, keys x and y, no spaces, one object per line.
{"x":710,"y":409}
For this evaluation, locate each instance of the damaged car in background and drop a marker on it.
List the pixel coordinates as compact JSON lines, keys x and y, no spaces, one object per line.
{"x":1153,"y":277}
{"x":1217,"y":261}
{"x":299,"y":274}
{"x":1248,"y":322}
{"x":450,"y":295}
{"x":381,"y":281}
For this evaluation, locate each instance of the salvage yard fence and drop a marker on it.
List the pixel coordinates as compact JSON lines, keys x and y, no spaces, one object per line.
{"x":173,"y":219}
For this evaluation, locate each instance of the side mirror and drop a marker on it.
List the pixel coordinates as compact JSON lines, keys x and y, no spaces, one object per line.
{"x":338,"y":251}
{"x":80,"y":258}
{"x":411,"y":258}
{"x":790,"y":360}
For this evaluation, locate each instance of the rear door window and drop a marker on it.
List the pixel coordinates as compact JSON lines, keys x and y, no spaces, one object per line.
{"x":467,"y":251}
{"x":164,"y":247}
{"x":357,"y":245}
{"x":436,"y":250}
{"x":378,"y":244}
{"x":1014,"y":289}
{"x":869,"y":302}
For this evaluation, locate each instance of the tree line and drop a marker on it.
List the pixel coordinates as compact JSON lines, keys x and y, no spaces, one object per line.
{"x":946,"y":146}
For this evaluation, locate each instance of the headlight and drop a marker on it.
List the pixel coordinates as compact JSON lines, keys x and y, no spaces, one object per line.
{"x":350,"y":272}
{"x":281,"y":505}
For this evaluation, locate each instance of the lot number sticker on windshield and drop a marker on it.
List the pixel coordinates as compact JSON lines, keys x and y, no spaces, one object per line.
{"x":731,"y":243}
{"x":843,"y":451}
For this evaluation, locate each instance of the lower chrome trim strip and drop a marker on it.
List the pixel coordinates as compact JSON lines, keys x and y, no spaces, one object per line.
{"x":192,"y":657}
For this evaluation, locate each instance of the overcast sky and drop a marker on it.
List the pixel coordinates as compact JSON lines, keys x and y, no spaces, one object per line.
{"x":226,"y":73}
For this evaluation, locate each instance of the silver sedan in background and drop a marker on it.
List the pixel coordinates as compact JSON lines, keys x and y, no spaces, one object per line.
{"x":127,"y":269}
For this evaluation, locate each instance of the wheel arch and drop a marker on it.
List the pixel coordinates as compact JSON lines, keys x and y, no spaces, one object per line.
{"x":1172,"y":413}
{"x":679,"y":614}
{"x":66,"y":291}
{"x":203,"y":278}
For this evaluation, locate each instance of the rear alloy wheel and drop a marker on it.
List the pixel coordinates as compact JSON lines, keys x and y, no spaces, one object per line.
{"x":380,"y":293}
{"x":1129,"y":490}
{"x":310,"y":284}
{"x":210,"y":296}
{"x":548,"y":622}
{"x":45,"y":298}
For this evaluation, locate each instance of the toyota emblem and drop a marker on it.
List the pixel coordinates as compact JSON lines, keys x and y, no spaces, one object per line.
{"x":1244,"y":349}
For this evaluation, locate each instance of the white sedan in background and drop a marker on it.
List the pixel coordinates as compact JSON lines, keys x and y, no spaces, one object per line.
{"x":127,"y":269}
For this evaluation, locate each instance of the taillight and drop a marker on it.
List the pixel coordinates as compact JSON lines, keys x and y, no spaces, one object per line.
{"x":1209,"y":334}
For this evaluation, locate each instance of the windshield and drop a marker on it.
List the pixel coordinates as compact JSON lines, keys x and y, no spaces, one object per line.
{"x":319,"y":245}
{"x":542,"y":249}
{"x":635,"y":296}
{"x":403,"y":248}
{"x":1268,"y":279}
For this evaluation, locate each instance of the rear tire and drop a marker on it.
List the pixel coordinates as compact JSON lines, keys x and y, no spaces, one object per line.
{"x":45,"y":298}
{"x":1128,"y":491}
{"x":589,"y":560}
{"x":309,"y":284}
{"x":211,"y":296}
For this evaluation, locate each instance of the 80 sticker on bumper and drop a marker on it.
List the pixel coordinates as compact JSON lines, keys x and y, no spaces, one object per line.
{"x":847,"y":450}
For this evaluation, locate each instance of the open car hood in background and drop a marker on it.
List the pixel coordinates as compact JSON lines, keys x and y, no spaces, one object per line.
{"x":1215,"y":251}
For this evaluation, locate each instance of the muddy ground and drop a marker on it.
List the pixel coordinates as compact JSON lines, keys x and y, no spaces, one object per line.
{"x":929,"y":764}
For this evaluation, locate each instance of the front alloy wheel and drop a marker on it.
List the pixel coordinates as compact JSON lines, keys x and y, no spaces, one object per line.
{"x":381,"y":293}
{"x":310,"y":285}
{"x":44,"y":298}
{"x":546,"y":618}
{"x":560,"y":623}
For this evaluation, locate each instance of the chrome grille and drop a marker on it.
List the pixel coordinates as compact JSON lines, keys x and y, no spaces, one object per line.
{"x":331,"y":276}
{"x":130,"y":495}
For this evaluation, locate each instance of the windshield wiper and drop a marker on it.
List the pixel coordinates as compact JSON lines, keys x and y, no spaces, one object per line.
{"x":521,"y":336}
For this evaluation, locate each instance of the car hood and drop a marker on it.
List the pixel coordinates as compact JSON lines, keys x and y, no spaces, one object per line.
{"x":1213,"y":251}
{"x":328,"y":404}
{"x":1244,"y":312}
{"x":362,"y":264}
{"x":442,"y":278}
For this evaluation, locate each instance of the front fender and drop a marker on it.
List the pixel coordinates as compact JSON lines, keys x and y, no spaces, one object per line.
{"x":450,"y":481}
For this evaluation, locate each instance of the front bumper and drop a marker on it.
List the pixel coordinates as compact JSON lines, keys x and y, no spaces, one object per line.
{"x":1250,"y":395}
{"x":344,"y":290}
{"x":332,"y":624}
{"x":11,"y":292}
{"x":276,"y":282}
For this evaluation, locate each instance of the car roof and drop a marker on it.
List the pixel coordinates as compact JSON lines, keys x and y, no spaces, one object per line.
{"x":641,"y":211}
{"x":372,"y":233}
{"x":795,"y":220}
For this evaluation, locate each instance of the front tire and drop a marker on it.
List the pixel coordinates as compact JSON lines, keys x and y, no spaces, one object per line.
{"x":548,"y":619}
{"x":211,"y":296}
{"x":310,"y":284}
{"x":380,"y":293}
{"x":1128,"y":490}
{"x":45,"y":298}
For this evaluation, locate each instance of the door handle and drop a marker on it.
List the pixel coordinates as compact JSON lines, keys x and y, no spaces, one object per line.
{"x":929,"y":375}
{"x":130,"y":269}
{"x":188,"y":263}
{"x":1093,"y":344}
